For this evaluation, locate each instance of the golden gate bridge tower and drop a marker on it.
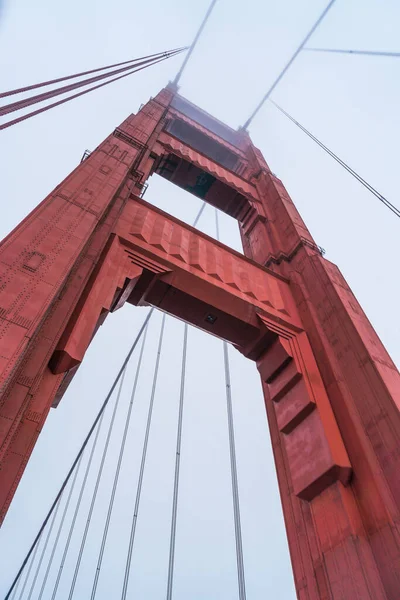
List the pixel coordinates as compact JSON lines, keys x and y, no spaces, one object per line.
{"x":331,"y":390}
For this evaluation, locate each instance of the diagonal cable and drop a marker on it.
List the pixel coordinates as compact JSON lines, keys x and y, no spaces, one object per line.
{"x":360,"y":52}
{"x":194,"y":43}
{"x":25,"y":102}
{"x":67,"y":77}
{"x":289,"y":64}
{"x":64,"y":100}
{"x":368,"y":186}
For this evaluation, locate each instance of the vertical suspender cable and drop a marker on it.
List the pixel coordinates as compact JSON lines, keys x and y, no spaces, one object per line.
{"x":96,"y":486}
{"x":171,"y":562}
{"x":17,"y":585}
{"x":234,"y":477}
{"x":29,"y":570}
{"x":199,"y":214}
{"x":60,"y":527}
{"x":20,"y":577}
{"x":142,"y":465}
{"x":79,"y":455}
{"x":177,"y":467}
{"x":82,"y":490}
{"x":118,"y":469}
{"x":235,"y":486}
{"x":44,"y":549}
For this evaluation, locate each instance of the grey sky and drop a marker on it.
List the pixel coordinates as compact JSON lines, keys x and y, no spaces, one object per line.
{"x":351,"y":103}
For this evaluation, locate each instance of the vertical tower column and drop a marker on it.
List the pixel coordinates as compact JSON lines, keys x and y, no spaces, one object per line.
{"x":45,"y":265}
{"x":345,"y":542}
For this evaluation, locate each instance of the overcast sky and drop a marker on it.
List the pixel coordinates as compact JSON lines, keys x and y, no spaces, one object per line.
{"x":351,"y":103}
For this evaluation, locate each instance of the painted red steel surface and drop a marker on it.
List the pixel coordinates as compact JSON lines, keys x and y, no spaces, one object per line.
{"x":331,"y":391}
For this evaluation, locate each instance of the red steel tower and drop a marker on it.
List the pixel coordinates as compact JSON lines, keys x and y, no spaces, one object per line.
{"x":331,"y":390}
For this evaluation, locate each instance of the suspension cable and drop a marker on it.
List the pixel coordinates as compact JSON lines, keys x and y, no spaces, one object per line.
{"x":172,"y":543}
{"x":363,"y":52}
{"x":232,"y":453}
{"x":235,"y":485}
{"x":32,"y":560}
{"x":171,"y":562}
{"x":176,"y":476}
{"x":29,"y":570}
{"x":118,"y":469}
{"x":59,"y":79}
{"x":369,"y":187}
{"x":81,"y":450}
{"x":25,"y":102}
{"x":122,"y":448}
{"x":142,"y":465}
{"x":44,"y":549}
{"x":194,"y":43}
{"x":82,"y":490}
{"x":199,"y":214}
{"x":98,"y":479}
{"x":18,"y":584}
{"x":59,"y":102}
{"x":289,"y":64}
{"x":60,"y":527}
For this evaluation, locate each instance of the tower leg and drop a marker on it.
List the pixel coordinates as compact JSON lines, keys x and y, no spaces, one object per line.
{"x":45,"y":266}
{"x":345,"y":542}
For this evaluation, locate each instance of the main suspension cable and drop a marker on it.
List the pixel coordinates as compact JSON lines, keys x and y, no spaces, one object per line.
{"x":80,"y":452}
{"x":289,"y":64}
{"x":64,"y":100}
{"x":118,"y":469}
{"x":142,"y":465}
{"x":368,"y":186}
{"x":171,"y":562}
{"x":25,"y":102}
{"x":194,"y":43}
{"x":362,"y":52}
{"x":59,"y":79}
{"x":232,"y":454}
